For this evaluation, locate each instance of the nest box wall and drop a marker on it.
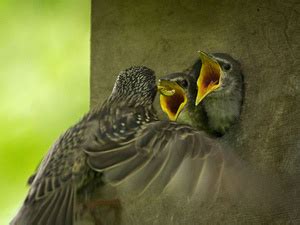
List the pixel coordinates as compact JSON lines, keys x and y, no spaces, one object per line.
{"x":165,"y":36}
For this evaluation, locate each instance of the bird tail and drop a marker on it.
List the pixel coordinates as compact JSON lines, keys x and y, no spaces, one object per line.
{"x":55,"y":208}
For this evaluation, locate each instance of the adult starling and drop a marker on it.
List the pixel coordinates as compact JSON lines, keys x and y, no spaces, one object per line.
{"x":64,"y":172}
{"x":208,"y":96}
{"x":120,"y":139}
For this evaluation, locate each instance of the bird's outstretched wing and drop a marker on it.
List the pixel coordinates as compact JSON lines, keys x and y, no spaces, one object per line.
{"x":163,"y":156}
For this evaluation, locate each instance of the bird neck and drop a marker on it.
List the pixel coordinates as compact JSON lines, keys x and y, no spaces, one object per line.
{"x":222,"y":111}
{"x":130,"y":100}
{"x":193,"y":116}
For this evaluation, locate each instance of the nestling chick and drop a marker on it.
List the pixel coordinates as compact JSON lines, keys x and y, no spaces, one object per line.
{"x":208,"y":96}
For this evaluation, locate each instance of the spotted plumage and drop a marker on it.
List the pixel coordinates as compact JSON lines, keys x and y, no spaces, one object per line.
{"x":64,"y":171}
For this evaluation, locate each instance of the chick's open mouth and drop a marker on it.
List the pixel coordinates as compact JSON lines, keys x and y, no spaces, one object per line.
{"x":172,"y":98}
{"x":209,"y":77}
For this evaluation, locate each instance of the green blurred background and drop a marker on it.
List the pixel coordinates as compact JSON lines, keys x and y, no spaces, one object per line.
{"x":44,"y":85}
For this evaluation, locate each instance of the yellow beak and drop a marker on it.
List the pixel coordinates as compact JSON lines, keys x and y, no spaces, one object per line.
{"x":209,"y":78}
{"x":172,"y":98}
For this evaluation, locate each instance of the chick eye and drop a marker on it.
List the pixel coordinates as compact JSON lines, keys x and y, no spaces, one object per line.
{"x":183,"y":83}
{"x":226,"y":66}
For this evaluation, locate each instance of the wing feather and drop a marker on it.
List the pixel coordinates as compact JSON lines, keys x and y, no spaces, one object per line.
{"x":55,"y":208}
{"x":161,"y":157}
{"x":117,"y":175}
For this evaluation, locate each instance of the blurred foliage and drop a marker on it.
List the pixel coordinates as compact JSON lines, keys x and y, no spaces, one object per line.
{"x":44,"y":88}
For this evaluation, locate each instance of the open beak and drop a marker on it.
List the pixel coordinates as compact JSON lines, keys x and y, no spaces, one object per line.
{"x":209,"y":78}
{"x":172,"y":98}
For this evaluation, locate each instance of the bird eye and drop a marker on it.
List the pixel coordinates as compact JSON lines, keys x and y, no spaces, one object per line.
{"x":226,"y":66}
{"x":183,"y":83}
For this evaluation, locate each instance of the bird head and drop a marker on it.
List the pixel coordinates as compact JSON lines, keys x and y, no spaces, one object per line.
{"x":177,"y":92}
{"x":136,"y":84}
{"x":219,"y":74}
{"x":215,"y":81}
